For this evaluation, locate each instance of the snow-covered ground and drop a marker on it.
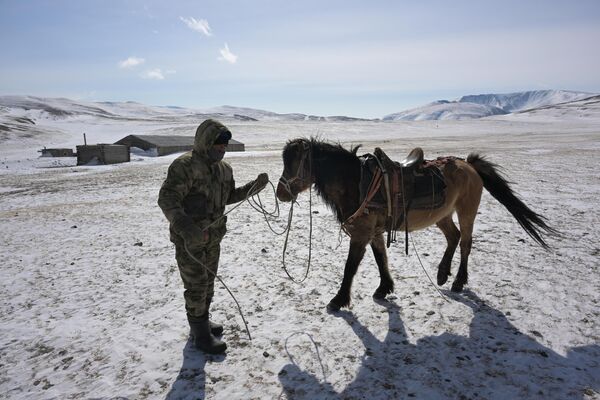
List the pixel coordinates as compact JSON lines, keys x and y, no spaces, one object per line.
{"x":91,"y":302}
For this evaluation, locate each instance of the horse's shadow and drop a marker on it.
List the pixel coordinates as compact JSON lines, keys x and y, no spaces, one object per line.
{"x":496,"y":361}
{"x":191,"y":380}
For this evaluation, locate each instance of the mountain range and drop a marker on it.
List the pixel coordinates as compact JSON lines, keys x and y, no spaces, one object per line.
{"x":59,"y":108}
{"x":23,"y":114}
{"x":485,"y":105}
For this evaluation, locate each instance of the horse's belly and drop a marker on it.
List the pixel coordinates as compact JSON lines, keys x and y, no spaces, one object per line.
{"x":421,"y":219}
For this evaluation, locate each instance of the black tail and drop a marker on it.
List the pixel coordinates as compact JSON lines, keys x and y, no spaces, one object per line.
{"x":533,"y":223}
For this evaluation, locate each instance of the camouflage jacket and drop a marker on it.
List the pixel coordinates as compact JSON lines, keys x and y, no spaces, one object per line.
{"x":198,"y":189}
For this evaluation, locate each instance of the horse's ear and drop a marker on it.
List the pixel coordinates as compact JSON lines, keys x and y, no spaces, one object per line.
{"x":354,"y":149}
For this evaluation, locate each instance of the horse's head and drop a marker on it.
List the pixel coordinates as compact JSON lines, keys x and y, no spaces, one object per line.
{"x":297,"y":169}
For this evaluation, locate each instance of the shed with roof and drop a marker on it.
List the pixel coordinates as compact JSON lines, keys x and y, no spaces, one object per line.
{"x":102,"y":154}
{"x":161,"y":145}
{"x":58,"y":152}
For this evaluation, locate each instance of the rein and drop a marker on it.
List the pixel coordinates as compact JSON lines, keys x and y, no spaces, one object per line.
{"x":256,"y":204}
{"x":251,"y":193}
{"x":286,"y":183}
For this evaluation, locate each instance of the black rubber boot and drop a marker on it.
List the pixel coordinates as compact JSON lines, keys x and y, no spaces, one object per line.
{"x":215,"y":329}
{"x":203,"y":338}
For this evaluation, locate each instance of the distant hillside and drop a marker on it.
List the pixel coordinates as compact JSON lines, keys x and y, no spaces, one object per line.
{"x":445,"y":110}
{"x":512,"y":102}
{"x":588,"y":108}
{"x":38,"y":119}
{"x":37,"y":108}
{"x":485,"y":105}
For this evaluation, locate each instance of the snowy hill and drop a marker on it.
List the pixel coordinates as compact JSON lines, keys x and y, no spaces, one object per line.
{"x":445,"y":110}
{"x":586,"y":109}
{"x":37,"y":108}
{"x":485,"y":105}
{"x":512,"y":102}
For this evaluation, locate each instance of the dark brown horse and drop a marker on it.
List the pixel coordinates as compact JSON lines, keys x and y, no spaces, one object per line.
{"x":336,"y":174}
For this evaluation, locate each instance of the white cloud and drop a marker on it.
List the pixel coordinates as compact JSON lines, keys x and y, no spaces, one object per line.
{"x":197,"y":25}
{"x":227,"y":55}
{"x":131,"y":62}
{"x":155,"y":73}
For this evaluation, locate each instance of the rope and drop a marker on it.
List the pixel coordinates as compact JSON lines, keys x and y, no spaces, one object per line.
{"x":309,"y":240}
{"x":222,"y":283}
{"x":253,"y":198}
{"x":286,"y":184}
{"x":294,"y":362}
{"x":424,"y":270}
{"x":316,"y":349}
{"x":257,"y":206}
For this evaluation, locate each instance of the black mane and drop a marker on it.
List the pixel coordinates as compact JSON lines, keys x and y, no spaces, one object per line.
{"x":337,"y":174}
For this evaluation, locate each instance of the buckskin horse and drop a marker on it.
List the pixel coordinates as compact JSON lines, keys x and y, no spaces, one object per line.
{"x":337,"y":173}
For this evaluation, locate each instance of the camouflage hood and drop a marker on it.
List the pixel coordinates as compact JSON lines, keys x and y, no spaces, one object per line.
{"x":206,"y":134}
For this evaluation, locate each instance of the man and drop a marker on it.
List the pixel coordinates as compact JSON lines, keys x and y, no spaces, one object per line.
{"x":193,"y":198}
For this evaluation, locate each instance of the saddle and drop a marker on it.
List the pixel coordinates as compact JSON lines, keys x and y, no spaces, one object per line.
{"x":398,"y":187}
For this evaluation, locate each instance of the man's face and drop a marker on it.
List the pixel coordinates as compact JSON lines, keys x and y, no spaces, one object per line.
{"x":217,"y":152}
{"x":220,"y":147}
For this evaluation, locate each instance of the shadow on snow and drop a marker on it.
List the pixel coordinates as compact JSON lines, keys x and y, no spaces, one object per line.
{"x":191,"y":380}
{"x":496,"y":361}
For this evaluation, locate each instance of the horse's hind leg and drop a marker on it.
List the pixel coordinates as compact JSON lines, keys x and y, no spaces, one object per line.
{"x":452,"y":234}
{"x":466,"y":221}
{"x":386,"y":284}
{"x":355,"y":255}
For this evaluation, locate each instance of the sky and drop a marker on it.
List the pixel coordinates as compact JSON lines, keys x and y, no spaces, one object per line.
{"x":354,"y":58}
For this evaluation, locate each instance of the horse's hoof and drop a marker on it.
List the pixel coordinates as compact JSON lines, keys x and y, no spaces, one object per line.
{"x":332,"y":307}
{"x":441,"y":279}
{"x":379,"y":295}
{"x":383,"y":290}
{"x":336,"y":303}
{"x":457,"y":287}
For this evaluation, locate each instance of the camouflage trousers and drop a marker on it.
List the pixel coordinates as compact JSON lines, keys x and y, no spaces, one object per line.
{"x":199,"y":284}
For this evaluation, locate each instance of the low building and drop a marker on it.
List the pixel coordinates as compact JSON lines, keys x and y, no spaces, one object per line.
{"x":102,"y":154}
{"x":162,"y":145}
{"x":59,"y":152}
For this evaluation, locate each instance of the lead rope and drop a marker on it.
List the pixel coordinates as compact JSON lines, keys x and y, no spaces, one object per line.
{"x":286,"y":184}
{"x":425,"y":270}
{"x":316,"y":349}
{"x":309,"y":241}
{"x":291,"y":357}
{"x":257,"y":206}
{"x":224,"y":285}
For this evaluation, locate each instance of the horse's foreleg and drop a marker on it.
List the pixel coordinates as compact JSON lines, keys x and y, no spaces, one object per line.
{"x":355,"y":255}
{"x":386,"y":284}
{"x":466,"y":221}
{"x":452,"y":234}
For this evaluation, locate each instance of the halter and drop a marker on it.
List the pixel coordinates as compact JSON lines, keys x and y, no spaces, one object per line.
{"x":300,"y":174}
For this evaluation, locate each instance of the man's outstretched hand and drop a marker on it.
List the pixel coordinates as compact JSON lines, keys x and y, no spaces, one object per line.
{"x":261,"y":181}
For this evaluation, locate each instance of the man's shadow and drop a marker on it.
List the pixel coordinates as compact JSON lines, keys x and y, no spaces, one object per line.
{"x":496,"y":361}
{"x":191,"y":380}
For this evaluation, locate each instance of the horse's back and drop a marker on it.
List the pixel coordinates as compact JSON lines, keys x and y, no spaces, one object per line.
{"x":463,"y":192}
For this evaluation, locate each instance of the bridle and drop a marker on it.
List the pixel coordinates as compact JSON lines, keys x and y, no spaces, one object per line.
{"x":301,"y":174}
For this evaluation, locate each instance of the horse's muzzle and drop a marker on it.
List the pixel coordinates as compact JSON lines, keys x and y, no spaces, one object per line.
{"x":283,"y":193}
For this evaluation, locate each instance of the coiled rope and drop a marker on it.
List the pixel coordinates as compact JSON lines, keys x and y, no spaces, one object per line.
{"x":253,"y":198}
